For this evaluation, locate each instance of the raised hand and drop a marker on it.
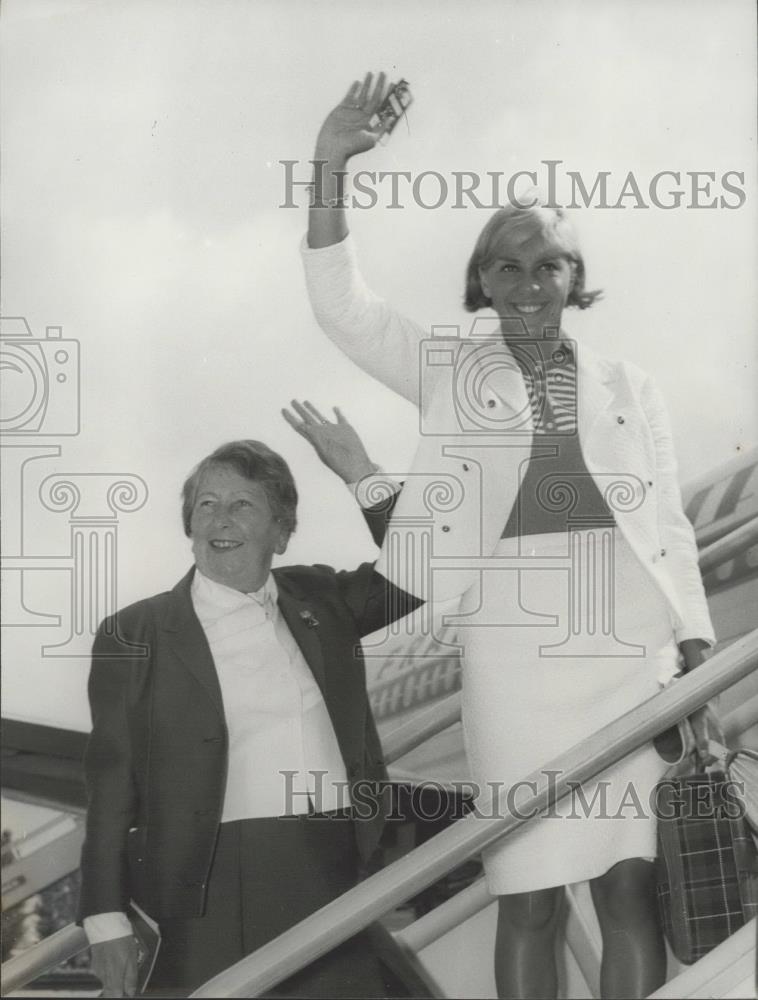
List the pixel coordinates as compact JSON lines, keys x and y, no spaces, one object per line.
{"x":347,"y":129}
{"x":335,"y":442}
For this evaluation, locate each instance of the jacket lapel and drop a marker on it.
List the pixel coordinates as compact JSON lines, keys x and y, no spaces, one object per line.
{"x":595,"y":392}
{"x":185,"y":638}
{"x":302,"y":617}
{"x":495,"y":369}
{"x":343,"y":687}
{"x":595,"y":385}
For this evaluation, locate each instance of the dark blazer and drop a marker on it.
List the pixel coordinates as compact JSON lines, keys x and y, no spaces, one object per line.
{"x":156,"y":759}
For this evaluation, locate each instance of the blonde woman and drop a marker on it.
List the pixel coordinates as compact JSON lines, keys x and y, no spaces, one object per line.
{"x":587,"y":454}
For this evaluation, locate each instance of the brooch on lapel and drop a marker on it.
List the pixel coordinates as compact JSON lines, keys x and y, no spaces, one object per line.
{"x":309,"y":618}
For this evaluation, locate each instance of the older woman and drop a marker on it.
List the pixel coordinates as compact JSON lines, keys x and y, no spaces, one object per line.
{"x":560,"y":456}
{"x":238,"y":723}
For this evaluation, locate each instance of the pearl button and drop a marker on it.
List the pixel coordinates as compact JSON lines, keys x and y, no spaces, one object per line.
{"x":446,"y":527}
{"x":490,"y":403}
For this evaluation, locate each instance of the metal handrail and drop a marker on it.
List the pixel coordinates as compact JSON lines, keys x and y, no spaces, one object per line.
{"x":70,"y":940}
{"x":358,"y":907}
{"x":421,"y":727}
{"x":36,"y":961}
{"x":730,"y":545}
{"x":475,"y":897}
{"x":724,"y":669}
{"x":447,"y":711}
{"x":720,"y":973}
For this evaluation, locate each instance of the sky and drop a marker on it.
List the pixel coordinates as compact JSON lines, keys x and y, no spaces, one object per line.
{"x":142,"y":187}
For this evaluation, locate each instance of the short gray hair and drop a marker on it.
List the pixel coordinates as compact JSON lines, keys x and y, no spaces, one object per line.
{"x":254,"y":461}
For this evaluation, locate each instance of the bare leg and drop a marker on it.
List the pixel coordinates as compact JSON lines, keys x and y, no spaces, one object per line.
{"x":634,"y":955}
{"x":525,"y":965}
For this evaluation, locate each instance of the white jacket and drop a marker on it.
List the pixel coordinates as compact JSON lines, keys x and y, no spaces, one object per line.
{"x":476,"y":432}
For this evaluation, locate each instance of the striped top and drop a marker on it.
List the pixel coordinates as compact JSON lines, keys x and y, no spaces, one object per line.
{"x":557,"y":490}
{"x":549,"y":370}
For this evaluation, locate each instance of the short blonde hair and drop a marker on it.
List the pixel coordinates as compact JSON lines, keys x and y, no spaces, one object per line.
{"x":526,"y":223}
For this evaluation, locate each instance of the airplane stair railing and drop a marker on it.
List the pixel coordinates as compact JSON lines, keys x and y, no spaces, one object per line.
{"x":724,"y":669}
{"x":726,"y":971}
{"x":581,"y":941}
{"x":447,"y":711}
{"x":368,"y":901}
{"x":42,"y":958}
{"x":411,"y":734}
{"x":737,"y":541}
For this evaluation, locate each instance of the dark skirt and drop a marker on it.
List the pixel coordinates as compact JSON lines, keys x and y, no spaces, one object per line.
{"x":268,"y":874}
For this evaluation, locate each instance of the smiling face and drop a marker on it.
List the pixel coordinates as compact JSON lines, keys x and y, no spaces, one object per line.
{"x":527,"y":280}
{"x":234,"y":534}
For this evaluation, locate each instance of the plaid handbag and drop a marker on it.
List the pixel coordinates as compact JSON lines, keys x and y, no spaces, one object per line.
{"x":707,"y":865}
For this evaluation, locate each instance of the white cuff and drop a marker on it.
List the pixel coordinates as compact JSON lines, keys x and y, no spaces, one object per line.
{"x":106,"y":927}
{"x":365,"y":490}
{"x":705,"y":634}
{"x":345,"y":244}
{"x":670,"y":662}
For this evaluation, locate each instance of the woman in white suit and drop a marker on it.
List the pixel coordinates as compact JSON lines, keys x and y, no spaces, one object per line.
{"x":544,"y":452}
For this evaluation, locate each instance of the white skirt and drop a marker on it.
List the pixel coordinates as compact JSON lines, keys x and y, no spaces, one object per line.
{"x":551,"y":655}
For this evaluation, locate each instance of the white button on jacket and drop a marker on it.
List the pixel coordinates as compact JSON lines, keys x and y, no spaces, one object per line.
{"x":622,"y":421}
